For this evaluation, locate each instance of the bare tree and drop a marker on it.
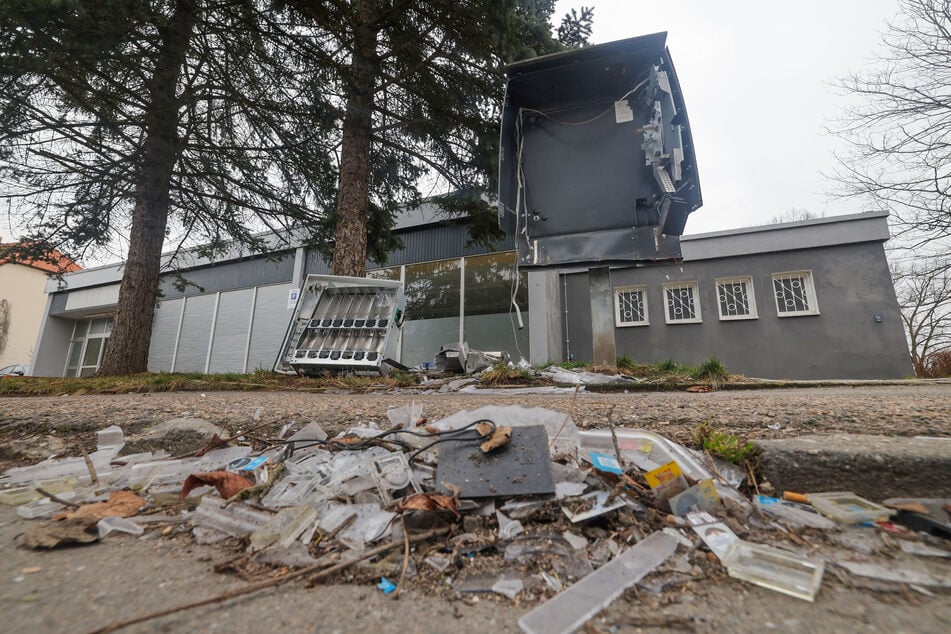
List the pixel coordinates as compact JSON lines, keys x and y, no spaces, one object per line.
{"x":898,"y":159}
{"x":924,"y":295}
{"x":898,"y":156}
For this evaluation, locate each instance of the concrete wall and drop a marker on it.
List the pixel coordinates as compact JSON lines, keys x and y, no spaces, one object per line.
{"x":843,"y":341}
{"x":22,"y":304}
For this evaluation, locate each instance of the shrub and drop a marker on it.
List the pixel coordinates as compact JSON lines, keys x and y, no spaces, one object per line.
{"x":712,"y":370}
{"x":937,"y":365}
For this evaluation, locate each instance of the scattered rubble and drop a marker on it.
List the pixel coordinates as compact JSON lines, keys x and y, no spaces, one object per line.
{"x":512,"y":503}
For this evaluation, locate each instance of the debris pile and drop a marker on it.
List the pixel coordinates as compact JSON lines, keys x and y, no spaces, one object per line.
{"x":508,"y":502}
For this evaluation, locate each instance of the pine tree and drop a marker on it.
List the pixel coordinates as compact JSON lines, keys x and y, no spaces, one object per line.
{"x":151,"y":122}
{"x":419,"y":84}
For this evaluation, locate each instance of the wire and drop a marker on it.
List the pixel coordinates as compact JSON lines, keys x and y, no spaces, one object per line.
{"x":592,"y":119}
{"x":445,"y":436}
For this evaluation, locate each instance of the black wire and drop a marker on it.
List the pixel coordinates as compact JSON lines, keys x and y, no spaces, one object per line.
{"x":445,"y":436}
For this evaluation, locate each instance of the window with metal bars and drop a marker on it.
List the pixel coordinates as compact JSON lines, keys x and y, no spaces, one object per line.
{"x":735,"y":298}
{"x":630,"y":306}
{"x":682,"y":303}
{"x":795,"y":294}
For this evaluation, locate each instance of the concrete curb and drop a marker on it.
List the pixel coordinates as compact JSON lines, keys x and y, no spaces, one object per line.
{"x":874,"y":467}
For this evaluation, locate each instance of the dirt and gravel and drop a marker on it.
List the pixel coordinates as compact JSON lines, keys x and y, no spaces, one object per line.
{"x":80,"y":589}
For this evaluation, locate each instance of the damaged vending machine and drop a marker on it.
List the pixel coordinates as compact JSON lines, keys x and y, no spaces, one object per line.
{"x":344,"y":324}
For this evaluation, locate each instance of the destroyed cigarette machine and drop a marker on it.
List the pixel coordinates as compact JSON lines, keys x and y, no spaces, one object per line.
{"x":596,"y":160}
{"x":344,"y":323}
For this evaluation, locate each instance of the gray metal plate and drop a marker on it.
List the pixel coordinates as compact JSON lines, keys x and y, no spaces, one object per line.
{"x":523,"y":467}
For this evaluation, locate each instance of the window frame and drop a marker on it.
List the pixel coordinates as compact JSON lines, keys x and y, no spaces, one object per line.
{"x":694,"y":286}
{"x":810,"y":291}
{"x":750,"y":297}
{"x":642,"y":289}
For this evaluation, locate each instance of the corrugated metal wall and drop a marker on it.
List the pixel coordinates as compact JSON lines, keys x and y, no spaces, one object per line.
{"x":164,"y":328}
{"x":228,"y":276}
{"x":229,"y":327}
{"x":231,"y":331}
{"x":271,"y":317}
{"x":196,"y":330}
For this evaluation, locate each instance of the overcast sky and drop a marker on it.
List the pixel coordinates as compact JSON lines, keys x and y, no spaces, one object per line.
{"x":755,"y":77}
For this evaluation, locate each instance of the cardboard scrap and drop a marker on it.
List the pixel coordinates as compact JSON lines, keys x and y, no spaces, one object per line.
{"x":702,"y":496}
{"x":120,"y":504}
{"x":666,"y":480}
{"x":715,"y":534}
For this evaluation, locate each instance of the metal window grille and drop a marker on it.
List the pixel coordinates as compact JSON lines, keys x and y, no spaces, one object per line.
{"x":794,"y":293}
{"x":630,"y":306}
{"x":682,"y":304}
{"x":735,"y":298}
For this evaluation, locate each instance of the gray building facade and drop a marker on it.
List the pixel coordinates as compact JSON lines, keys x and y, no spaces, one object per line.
{"x":805,"y":300}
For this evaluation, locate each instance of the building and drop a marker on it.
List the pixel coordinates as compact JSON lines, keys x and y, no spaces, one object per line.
{"x":802,"y":300}
{"x":22,"y":303}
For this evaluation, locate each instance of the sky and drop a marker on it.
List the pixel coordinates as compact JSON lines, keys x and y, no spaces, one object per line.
{"x":755,"y":76}
{"x":756,"y":81}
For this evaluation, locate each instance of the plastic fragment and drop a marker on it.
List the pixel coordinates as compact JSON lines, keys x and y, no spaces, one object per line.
{"x":593,"y":505}
{"x":572,"y":608}
{"x":386,"y":585}
{"x":508,"y":587}
{"x":847,"y":508}
{"x":775,"y":569}
{"x":121,"y":524}
{"x":789,"y":511}
{"x":715,"y":534}
{"x":508,"y":528}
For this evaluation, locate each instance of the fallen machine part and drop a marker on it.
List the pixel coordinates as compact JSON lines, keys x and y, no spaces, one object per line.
{"x":596,"y":162}
{"x":458,"y":357}
{"x":344,"y":323}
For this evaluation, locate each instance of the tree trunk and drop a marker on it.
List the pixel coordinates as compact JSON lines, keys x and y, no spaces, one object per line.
{"x":128,"y":351}
{"x":353,"y":197}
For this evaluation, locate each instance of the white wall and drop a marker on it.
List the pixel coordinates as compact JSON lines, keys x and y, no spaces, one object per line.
{"x":22,"y":288}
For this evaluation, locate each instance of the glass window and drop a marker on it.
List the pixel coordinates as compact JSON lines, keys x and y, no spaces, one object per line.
{"x":795,"y":294}
{"x":630,"y":306}
{"x":391,"y":273}
{"x":91,"y":356}
{"x":683,"y":303}
{"x":735,"y":298}
{"x":98,"y":326}
{"x":490,"y":322}
{"x":432,"y":290}
{"x":489,"y":281}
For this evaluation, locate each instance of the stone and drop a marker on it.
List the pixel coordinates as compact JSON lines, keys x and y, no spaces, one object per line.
{"x":177,"y":436}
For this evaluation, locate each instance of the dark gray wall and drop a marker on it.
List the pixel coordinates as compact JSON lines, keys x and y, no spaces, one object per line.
{"x":50,"y":355}
{"x":228,"y":276}
{"x":842,"y":342}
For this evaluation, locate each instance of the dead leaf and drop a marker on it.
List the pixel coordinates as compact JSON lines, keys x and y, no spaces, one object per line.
{"x":214,"y":443}
{"x":699,"y":388}
{"x":120,"y":504}
{"x":61,"y":533}
{"x":428,"y":502}
{"x":499,"y":438}
{"x":484,"y":428}
{"x":227,"y":483}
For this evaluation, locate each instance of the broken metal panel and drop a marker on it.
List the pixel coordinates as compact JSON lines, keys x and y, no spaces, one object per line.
{"x":597,"y":161}
{"x":344,"y":323}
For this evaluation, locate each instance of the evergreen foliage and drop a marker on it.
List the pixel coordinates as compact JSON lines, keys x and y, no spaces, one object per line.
{"x":209,"y":121}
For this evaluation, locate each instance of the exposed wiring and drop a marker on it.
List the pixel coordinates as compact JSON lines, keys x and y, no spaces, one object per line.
{"x":444,"y":436}
{"x":586,"y":121}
